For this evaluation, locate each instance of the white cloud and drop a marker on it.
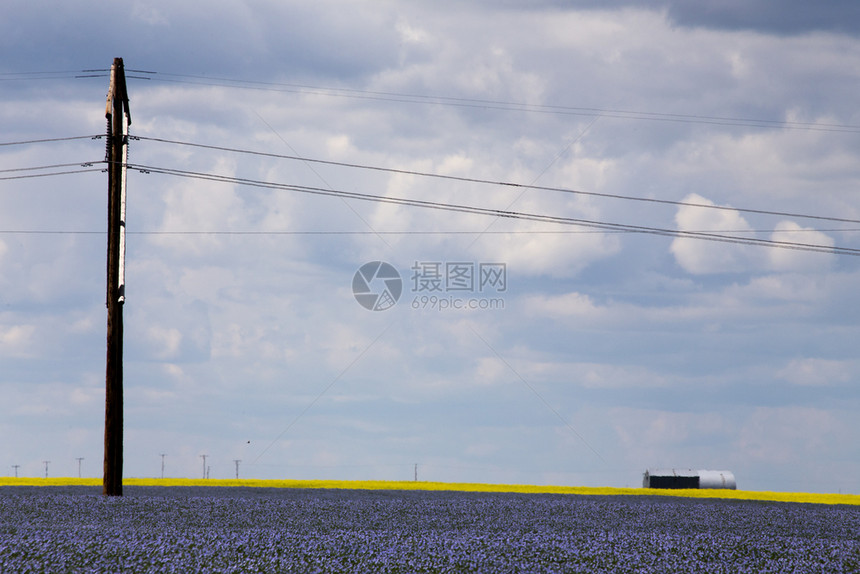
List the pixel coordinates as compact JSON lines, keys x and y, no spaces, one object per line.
{"x":254,"y":327}
{"x":780,"y":435}
{"x":597,"y":375}
{"x":410,"y":34}
{"x":665,"y":439}
{"x":795,"y":260}
{"x":780,"y":287}
{"x":553,"y":254}
{"x":578,"y":305}
{"x":148,"y":14}
{"x":692,"y":310}
{"x":17,"y":340}
{"x":492,"y":371}
{"x":814,"y":372}
{"x":166,"y":341}
{"x":701,"y":256}
{"x":86,"y":396}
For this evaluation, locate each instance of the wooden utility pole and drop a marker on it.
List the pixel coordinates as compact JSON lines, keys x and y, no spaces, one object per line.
{"x":118,"y":120}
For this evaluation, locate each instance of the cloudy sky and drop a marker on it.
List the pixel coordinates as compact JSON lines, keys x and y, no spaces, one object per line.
{"x":677,"y":286}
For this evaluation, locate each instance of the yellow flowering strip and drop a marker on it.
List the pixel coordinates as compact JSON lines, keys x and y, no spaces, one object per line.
{"x":452,"y":486}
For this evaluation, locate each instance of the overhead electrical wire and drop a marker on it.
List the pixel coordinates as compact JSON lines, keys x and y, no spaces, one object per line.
{"x":36,"y":175}
{"x":462,"y":232}
{"x":54,"y":166}
{"x":603,"y":226}
{"x":85,"y":165}
{"x":66,"y":75}
{"x":399,"y":97}
{"x":39,"y":73}
{"x":402,"y":97}
{"x":285,"y":232}
{"x":49,"y":140}
{"x":502,"y":183}
{"x":53,"y":75}
{"x":708,"y":236}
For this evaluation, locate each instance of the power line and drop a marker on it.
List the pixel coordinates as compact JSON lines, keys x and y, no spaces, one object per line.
{"x":41,"y":73}
{"x":501,"y":183}
{"x":29,"y":76}
{"x":275,"y":232}
{"x":47,"y":140}
{"x":708,"y":236}
{"x":400,"y":97}
{"x":54,"y":166}
{"x":35,"y":175}
{"x":499,"y":213}
{"x":61,"y":75}
{"x":285,"y":232}
{"x":427,"y":99}
{"x":451,"y":232}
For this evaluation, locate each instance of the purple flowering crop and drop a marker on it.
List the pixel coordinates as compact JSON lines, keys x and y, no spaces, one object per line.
{"x":176,"y":529}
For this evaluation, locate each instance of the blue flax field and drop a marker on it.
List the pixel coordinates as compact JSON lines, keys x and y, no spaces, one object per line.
{"x":212,"y":529}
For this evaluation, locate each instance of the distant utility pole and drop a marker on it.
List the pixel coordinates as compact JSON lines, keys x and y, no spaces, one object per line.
{"x":79,"y":459}
{"x":46,"y":467}
{"x":203,"y":456}
{"x":237,"y":461}
{"x":119,"y":118}
{"x":162,"y":464}
{"x":416,"y":472}
{"x":16,"y":467}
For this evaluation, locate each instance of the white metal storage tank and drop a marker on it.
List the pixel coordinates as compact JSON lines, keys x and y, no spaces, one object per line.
{"x":717,"y":479}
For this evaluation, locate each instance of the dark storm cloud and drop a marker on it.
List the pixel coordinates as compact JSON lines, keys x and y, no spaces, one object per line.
{"x":302,"y":40}
{"x":772,"y":16}
{"x":781,"y":17}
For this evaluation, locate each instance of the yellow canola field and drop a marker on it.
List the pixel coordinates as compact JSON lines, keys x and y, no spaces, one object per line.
{"x":450,"y":486}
